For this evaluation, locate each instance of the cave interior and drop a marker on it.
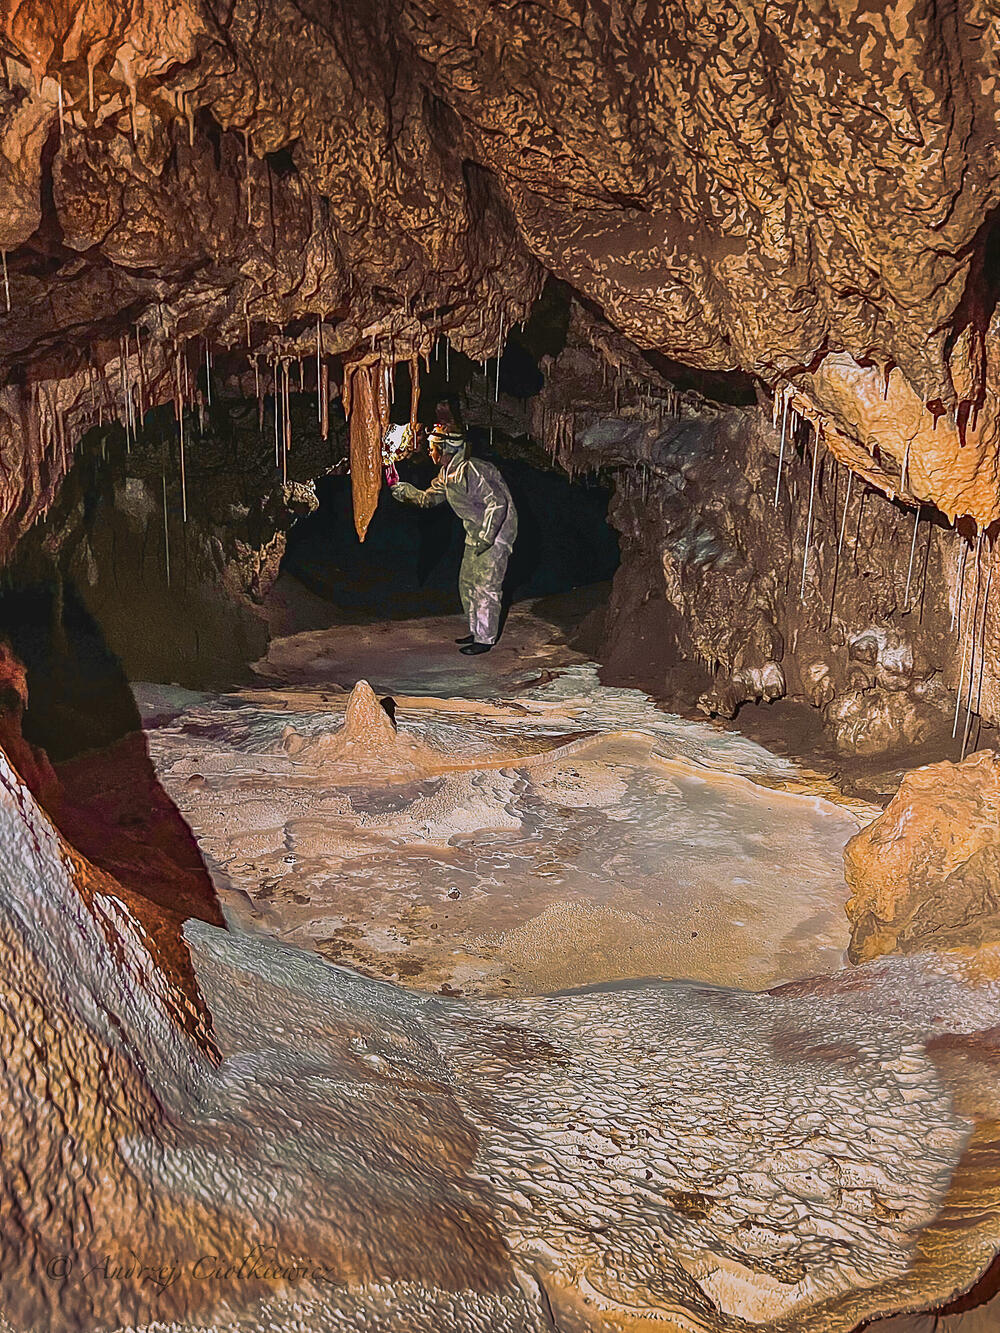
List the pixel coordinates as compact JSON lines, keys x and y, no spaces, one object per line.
{"x":572,"y":906}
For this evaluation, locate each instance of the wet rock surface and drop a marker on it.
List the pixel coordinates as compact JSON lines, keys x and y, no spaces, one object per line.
{"x":538,"y":838}
{"x":361,"y":1156}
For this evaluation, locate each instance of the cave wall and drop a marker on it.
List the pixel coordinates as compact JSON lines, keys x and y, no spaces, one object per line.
{"x":717,"y":604}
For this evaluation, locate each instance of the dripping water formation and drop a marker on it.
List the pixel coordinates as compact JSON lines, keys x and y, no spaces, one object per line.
{"x":499,"y":679}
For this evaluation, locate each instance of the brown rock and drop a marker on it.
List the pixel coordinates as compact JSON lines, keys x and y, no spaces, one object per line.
{"x":926,"y":873}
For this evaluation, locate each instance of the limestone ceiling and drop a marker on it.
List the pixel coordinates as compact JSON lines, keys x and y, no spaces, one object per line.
{"x":805,"y":192}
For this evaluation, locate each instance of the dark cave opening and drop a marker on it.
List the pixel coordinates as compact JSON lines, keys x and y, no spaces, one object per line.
{"x":408,"y":564}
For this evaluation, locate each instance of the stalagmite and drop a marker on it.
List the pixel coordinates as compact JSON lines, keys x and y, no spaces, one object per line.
{"x":366,"y":405}
{"x":809,"y":519}
{"x":913,"y":548}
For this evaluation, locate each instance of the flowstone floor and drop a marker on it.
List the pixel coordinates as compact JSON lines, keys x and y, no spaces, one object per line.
{"x":520,"y":829}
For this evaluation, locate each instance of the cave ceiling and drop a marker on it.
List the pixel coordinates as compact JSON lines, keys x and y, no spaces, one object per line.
{"x":804,"y":192}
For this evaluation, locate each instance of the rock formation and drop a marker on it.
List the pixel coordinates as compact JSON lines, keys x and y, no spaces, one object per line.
{"x":926,"y":874}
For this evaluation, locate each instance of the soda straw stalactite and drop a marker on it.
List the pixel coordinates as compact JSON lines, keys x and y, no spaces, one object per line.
{"x":781,"y":451}
{"x":982,"y":653}
{"x":909,"y":571}
{"x":809,"y":520}
{"x":969,"y":636}
{"x":840,"y":546}
{"x":179,"y":408}
{"x":956,"y":615}
{"x":287,"y":433}
{"x":319,"y":371}
{"x":166,"y":531}
{"x":277,"y":418}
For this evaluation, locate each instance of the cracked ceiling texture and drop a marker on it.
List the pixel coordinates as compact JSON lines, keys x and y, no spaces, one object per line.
{"x":801,"y":191}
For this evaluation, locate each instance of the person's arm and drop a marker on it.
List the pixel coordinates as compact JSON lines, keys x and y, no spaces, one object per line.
{"x":493,"y":504}
{"x":413,"y":495}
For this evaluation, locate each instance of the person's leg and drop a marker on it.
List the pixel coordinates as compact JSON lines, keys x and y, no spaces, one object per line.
{"x":467,"y":585}
{"x":489,"y":576}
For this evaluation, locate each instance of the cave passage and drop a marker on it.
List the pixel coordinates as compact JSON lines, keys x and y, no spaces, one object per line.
{"x":409,"y":562}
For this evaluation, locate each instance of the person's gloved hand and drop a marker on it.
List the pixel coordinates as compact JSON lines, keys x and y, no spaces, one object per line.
{"x":391,"y":475}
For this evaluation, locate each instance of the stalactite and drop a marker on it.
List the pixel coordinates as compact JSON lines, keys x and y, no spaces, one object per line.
{"x":141,"y":376}
{"x":982,"y":648}
{"x":366,"y":405}
{"x":166,"y":530}
{"x":982,"y":642}
{"x":913,"y":548}
{"x":956,"y":615}
{"x":179,"y":407}
{"x":286,"y":437}
{"x":970,"y":635}
{"x":319,"y":372}
{"x":277,"y":417}
{"x":809,"y":520}
{"x":414,"y":395}
{"x":208,"y":374}
{"x":324,"y":422}
{"x":781,"y":451}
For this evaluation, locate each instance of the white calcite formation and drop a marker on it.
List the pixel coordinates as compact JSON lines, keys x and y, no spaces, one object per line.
{"x":272,"y":1141}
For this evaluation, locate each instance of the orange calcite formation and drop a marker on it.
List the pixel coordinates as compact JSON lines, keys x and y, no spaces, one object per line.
{"x":924,"y":456}
{"x":926,"y":873}
{"x":366,"y":403}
